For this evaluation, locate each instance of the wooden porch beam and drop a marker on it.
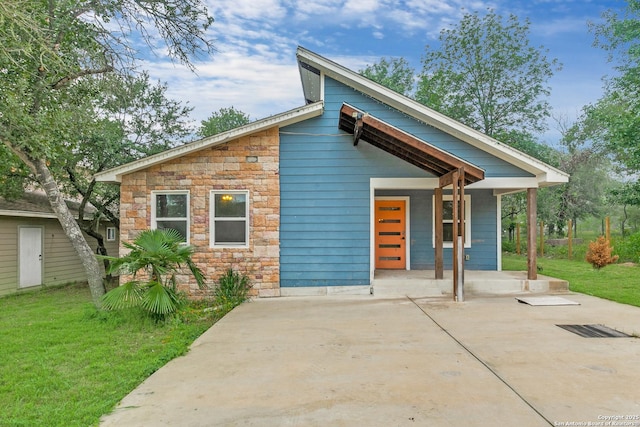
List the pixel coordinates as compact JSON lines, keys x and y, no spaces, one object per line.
{"x":460,"y":239}
{"x":532,"y":267}
{"x":458,"y":234}
{"x":392,"y":139}
{"x":449,"y":178}
{"x":439,"y":238}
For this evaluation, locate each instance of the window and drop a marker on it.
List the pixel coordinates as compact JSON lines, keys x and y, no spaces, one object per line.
{"x":111,"y":234}
{"x":447,"y":221}
{"x":229,"y":219}
{"x":170,"y":210}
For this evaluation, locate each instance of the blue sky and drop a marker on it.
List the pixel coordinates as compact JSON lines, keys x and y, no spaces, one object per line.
{"x":254,"y":68}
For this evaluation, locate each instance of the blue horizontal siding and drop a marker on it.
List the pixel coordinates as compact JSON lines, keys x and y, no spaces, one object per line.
{"x":325,"y":196}
{"x":318,"y":219}
{"x":345,"y":246}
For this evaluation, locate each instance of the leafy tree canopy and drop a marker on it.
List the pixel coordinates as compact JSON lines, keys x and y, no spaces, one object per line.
{"x":612,"y":124}
{"x":223,"y":120}
{"x":486,"y":75}
{"x":393,"y":73}
{"x":55,"y":61}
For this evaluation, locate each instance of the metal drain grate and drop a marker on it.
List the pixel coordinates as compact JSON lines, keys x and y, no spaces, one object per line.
{"x":594,"y":331}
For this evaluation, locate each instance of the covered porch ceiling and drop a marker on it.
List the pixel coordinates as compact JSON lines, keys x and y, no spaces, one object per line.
{"x":404,"y":145}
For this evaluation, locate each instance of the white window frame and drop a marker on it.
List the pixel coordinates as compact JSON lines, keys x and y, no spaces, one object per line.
{"x":467,"y":220}
{"x":154,"y":218}
{"x":111,"y":234}
{"x":213,"y":219}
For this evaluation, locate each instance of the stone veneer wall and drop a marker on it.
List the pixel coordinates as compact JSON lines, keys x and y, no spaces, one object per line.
{"x":223,"y":167}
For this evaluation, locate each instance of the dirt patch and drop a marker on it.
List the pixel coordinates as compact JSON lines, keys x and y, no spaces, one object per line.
{"x":629,"y":264}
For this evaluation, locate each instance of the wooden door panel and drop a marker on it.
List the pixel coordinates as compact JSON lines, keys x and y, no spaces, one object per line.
{"x":390,"y":230}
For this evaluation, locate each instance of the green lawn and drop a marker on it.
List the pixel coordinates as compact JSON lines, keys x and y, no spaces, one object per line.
{"x":616,"y":282}
{"x":63,"y":363}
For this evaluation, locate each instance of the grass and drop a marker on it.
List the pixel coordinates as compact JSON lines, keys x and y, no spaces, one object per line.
{"x":616,"y":282}
{"x":64,"y":363}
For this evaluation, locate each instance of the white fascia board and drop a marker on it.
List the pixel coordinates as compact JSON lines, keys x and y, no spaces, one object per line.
{"x":404,"y":183}
{"x":503,"y":183}
{"x":497,"y":184}
{"x":27,"y":214}
{"x":553,"y":177}
{"x":432,"y":118}
{"x":31,"y":214}
{"x":283,"y":119}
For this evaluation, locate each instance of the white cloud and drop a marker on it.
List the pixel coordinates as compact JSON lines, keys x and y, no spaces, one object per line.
{"x":255,"y":69}
{"x":557,"y":27}
{"x":260,"y":84}
{"x":356,"y":8}
{"x":260,"y":10}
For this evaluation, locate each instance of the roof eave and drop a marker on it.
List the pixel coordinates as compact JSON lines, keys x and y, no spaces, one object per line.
{"x":283,"y":119}
{"x":26,"y":214}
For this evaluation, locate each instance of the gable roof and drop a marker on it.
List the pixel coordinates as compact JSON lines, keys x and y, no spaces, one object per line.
{"x":283,"y":119}
{"x":313,"y":67}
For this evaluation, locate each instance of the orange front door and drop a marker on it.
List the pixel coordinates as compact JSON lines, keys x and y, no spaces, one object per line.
{"x":390,"y":241}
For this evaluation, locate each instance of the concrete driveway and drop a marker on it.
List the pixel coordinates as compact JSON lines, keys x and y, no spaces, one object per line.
{"x":364,"y":361}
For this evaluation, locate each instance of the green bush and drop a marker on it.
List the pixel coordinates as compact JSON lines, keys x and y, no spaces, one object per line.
{"x":508,"y":246}
{"x":628,"y":249}
{"x":233,"y":289}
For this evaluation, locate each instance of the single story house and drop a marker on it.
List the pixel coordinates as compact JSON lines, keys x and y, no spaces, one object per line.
{"x":359,"y":179}
{"x":34,"y":249}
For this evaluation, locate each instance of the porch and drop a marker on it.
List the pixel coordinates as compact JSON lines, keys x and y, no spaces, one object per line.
{"x":422,"y":283}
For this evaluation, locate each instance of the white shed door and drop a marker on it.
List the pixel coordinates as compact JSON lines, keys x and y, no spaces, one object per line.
{"x":30,"y":256}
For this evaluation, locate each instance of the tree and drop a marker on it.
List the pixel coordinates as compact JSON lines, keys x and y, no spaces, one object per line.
{"x":615,"y":118}
{"x":13,"y":175}
{"x":53,"y":57}
{"x":515,"y":205}
{"x":625,"y":195}
{"x":159,"y":255}
{"x":393,"y":73}
{"x":136,"y":120}
{"x":223,"y":120}
{"x":486,"y":75}
{"x":583,"y":195}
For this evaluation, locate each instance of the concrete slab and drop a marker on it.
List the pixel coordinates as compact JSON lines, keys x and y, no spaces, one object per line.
{"x":345,"y":361}
{"x":567,"y":378}
{"x":546,"y":300}
{"x":421,"y":283}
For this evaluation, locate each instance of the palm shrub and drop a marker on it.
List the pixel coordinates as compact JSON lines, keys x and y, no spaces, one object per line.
{"x":160,"y":255}
{"x":233,"y":289}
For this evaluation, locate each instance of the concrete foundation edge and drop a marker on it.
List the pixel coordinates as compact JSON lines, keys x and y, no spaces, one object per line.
{"x":325,"y":291}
